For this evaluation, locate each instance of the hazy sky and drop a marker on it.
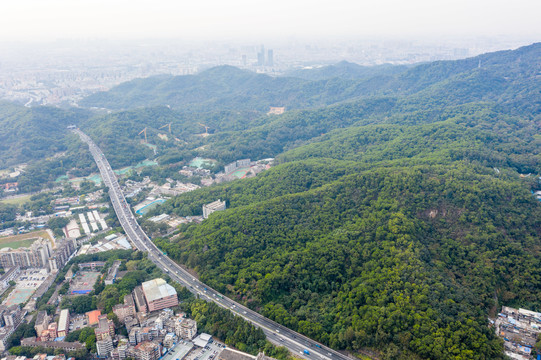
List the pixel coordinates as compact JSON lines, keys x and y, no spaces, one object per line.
{"x":252,"y":19}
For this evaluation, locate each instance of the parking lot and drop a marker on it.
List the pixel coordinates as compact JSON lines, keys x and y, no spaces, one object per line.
{"x":77,"y":322}
{"x":31,"y":278}
{"x":209,"y":352}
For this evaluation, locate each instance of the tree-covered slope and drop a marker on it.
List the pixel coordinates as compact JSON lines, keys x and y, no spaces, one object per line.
{"x":28,"y":134}
{"x":409,"y":256}
{"x":478,"y":133}
{"x":220,"y":88}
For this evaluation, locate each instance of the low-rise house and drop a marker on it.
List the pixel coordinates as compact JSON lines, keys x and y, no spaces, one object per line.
{"x":63,"y":345}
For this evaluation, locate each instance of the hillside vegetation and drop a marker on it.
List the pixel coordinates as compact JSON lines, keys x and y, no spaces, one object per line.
{"x":28,"y":134}
{"x":396,"y":223}
{"x":414,"y":256}
{"x":507,"y":84}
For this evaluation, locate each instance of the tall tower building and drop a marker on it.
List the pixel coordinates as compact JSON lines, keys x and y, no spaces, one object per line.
{"x":261,"y":56}
{"x":270,"y":58}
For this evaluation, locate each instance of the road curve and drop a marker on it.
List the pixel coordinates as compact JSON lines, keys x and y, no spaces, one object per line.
{"x":276,"y":333}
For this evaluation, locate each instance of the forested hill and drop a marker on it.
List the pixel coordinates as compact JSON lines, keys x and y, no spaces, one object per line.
{"x":396,"y":223}
{"x":222,"y":88}
{"x":497,"y":76}
{"x":409,"y":261}
{"x":28,"y":134}
{"x":506,"y":86}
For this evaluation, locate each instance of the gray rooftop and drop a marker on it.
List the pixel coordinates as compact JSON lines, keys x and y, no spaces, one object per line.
{"x":229,"y":354}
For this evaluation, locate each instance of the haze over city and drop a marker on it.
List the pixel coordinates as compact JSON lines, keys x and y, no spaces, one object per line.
{"x":33,"y":20}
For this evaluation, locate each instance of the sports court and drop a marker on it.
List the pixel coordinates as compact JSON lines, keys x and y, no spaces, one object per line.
{"x":200,"y":162}
{"x":146,"y":208}
{"x":24,"y":240}
{"x":240,"y":173}
{"x":18,"y":296}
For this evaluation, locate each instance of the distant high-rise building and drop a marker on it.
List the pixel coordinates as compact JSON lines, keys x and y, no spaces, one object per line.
{"x":188,"y":329}
{"x":261,"y":57}
{"x":270,"y":58}
{"x":139,"y":298}
{"x":42,"y":322}
{"x":244,"y":60}
{"x":62,"y":253}
{"x":13,"y":315}
{"x":126,"y":309}
{"x":105,"y":328}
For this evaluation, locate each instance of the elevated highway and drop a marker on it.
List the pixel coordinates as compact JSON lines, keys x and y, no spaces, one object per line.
{"x":276,"y":333}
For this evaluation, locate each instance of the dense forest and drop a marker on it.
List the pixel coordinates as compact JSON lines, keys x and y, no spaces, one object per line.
{"x":407,"y":255}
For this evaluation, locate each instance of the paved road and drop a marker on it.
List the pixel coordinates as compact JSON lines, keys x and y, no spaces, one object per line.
{"x":275,"y":332}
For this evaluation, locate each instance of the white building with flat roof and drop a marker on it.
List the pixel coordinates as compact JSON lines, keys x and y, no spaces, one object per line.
{"x":63,"y":323}
{"x":212,"y":207}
